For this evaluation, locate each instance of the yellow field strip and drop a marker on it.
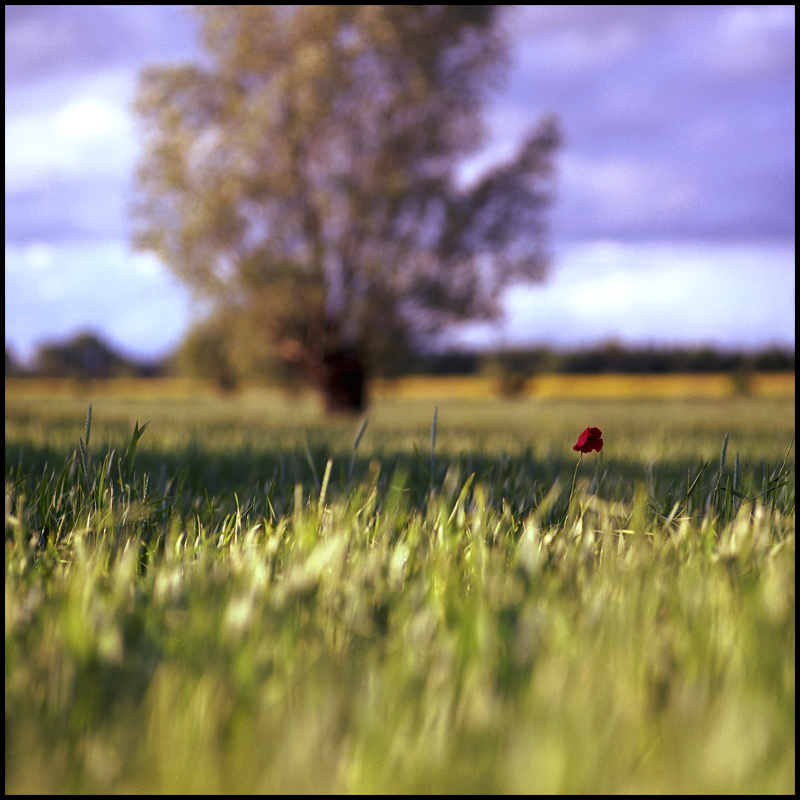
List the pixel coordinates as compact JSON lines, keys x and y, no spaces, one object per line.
{"x":671,"y":385}
{"x":778,"y":384}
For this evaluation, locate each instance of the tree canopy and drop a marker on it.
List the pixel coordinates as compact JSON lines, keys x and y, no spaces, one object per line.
{"x":306,"y":174}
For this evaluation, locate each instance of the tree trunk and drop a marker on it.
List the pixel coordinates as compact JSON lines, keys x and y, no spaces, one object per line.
{"x":344,"y":380}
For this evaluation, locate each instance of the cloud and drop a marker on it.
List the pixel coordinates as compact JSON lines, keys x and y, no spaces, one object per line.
{"x":53,"y":290}
{"x":90,"y":119}
{"x":627,"y":192}
{"x":74,"y":39}
{"x":89,"y":133}
{"x":752,"y":41}
{"x":33,"y":42}
{"x":660,"y":294}
{"x":679,"y":126}
{"x":63,"y":209}
{"x":662,"y":139}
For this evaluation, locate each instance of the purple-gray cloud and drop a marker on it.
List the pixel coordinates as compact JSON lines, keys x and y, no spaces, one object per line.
{"x":678,"y":123}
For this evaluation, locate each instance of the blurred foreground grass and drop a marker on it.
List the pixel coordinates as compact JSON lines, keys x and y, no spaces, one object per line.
{"x":245,"y":603}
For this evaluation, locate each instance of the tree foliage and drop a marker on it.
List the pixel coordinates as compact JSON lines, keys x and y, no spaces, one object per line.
{"x":84,"y":356}
{"x":306,"y":175}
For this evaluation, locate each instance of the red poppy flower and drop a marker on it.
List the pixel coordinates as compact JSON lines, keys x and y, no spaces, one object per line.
{"x":589,"y":440}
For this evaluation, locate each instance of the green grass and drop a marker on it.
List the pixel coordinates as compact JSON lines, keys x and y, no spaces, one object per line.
{"x":237,"y":600}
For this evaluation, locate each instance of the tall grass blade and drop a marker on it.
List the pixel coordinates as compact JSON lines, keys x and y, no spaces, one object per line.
{"x":130,"y":452}
{"x":691,"y":488}
{"x":84,"y":460}
{"x":433,"y":438}
{"x":462,"y":497}
{"x":324,"y":490}
{"x":88,"y":430}
{"x":311,"y":464}
{"x":85,"y":445}
{"x":786,"y":457}
{"x":722,"y":456}
{"x":421,"y":461}
{"x":723,"y":453}
{"x":355,"y":447}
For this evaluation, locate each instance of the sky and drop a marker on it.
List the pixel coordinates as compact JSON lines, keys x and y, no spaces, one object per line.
{"x":674,"y":218}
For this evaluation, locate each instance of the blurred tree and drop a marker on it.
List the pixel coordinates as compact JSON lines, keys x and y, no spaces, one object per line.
{"x":305,"y":176}
{"x":205,"y":353}
{"x":84,"y":356}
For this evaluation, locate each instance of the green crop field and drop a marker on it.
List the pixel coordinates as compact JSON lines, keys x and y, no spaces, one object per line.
{"x":242,"y":596}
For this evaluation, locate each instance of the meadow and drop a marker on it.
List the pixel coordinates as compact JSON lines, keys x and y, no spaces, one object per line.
{"x":235,"y":594}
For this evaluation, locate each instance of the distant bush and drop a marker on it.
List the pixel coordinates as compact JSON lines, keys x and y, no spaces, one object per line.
{"x":773,"y":360}
{"x":86,"y":356}
{"x":207,"y":353}
{"x":14,"y":369}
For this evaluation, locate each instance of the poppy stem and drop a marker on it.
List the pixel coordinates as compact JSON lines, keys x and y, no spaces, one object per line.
{"x":569,"y":500}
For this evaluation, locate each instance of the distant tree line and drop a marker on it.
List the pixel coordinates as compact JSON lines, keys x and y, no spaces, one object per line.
{"x":606,"y":358}
{"x":87,"y":356}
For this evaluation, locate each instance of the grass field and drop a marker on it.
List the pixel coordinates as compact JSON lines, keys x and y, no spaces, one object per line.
{"x":246,"y":597}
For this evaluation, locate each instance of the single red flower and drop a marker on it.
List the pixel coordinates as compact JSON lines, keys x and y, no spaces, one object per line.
{"x":589,"y":440}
